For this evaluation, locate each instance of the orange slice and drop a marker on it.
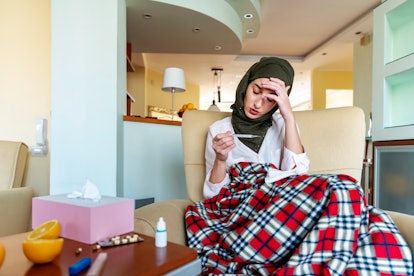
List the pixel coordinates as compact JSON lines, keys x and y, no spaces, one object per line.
{"x":48,"y":230}
{"x":2,"y":253}
{"x":42,"y":251}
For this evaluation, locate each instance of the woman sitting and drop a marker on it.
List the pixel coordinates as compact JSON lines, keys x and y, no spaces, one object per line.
{"x":263,"y":214}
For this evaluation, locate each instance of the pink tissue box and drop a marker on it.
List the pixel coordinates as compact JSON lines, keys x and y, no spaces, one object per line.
{"x":85,"y":220}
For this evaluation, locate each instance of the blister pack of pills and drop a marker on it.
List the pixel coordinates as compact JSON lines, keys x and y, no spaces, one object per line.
{"x":121,"y":240}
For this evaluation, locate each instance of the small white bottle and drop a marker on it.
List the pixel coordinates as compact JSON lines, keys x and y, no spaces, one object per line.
{"x":161,"y":233}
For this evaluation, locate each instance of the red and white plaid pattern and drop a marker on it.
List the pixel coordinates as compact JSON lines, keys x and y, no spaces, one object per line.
{"x":300,"y":225}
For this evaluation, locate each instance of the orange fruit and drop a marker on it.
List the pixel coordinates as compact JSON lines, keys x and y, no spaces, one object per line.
{"x":42,"y":251}
{"x":2,"y":253}
{"x":48,"y":230}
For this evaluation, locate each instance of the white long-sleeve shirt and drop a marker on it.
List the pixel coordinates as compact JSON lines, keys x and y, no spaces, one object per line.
{"x":272,"y":151}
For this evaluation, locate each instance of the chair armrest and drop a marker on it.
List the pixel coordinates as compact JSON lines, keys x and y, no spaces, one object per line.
{"x":15,"y":210}
{"x":405,"y":223}
{"x":173,"y":212}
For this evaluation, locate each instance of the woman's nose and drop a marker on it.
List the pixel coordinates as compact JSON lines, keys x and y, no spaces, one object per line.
{"x":259,"y":102}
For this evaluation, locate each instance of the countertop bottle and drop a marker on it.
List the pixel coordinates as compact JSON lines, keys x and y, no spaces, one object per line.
{"x":161,"y":233}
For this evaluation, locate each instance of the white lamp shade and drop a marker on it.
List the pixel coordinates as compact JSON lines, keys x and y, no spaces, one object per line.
{"x":214,"y":107}
{"x":173,"y":79}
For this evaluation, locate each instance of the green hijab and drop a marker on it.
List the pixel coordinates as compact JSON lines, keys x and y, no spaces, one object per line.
{"x":267,"y":67}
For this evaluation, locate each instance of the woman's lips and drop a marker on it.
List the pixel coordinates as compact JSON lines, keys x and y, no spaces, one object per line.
{"x":253,"y":111}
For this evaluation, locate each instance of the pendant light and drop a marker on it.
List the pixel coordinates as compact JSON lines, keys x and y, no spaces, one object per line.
{"x":216,"y":84}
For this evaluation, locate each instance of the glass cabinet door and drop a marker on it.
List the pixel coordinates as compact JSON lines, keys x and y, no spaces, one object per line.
{"x":394,"y":176}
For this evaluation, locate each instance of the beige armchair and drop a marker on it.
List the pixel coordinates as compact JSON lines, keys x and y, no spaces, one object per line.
{"x":333,"y":138}
{"x":15,"y":200}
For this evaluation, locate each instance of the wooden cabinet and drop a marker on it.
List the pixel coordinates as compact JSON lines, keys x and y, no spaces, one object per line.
{"x":393,"y":71}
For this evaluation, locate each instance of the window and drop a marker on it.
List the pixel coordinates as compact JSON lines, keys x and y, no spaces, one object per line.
{"x":339,"y":98}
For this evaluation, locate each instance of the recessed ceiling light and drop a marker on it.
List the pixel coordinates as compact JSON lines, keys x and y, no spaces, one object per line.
{"x":147,"y":16}
{"x":250,"y":31}
{"x":196,"y":30}
{"x":217,"y":48}
{"x":248,"y":16}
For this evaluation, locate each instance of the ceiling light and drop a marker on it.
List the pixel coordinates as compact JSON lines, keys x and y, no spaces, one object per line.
{"x":196,"y":30}
{"x":147,"y":16}
{"x":217,"y":48}
{"x":250,"y":31}
{"x":248,"y":16}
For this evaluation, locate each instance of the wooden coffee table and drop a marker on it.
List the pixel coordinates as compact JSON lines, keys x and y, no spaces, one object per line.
{"x":141,"y":258}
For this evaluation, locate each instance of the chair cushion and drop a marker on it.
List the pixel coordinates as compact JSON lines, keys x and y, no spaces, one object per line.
{"x":334,"y":140}
{"x":13,"y":158}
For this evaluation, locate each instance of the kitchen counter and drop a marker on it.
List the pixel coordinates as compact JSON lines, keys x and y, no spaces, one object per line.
{"x":151,"y":120}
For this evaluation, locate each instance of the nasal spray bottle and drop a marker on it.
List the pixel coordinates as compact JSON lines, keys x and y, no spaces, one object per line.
{"x":161,"y":233}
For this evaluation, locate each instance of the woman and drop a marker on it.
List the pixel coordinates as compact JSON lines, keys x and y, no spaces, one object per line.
{"x":290,"y":223}
{"x":263,"y":90}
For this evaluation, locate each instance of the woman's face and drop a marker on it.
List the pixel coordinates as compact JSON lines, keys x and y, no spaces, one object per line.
{"x":256,"y":104}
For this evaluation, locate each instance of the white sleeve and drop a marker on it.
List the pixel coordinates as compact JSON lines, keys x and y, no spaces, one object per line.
{"x":209,"y":189}
{"x":209,"y":154}
{"x":298,"y":161}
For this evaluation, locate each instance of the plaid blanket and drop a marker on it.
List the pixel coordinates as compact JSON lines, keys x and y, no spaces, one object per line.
{"x":299,"y":225}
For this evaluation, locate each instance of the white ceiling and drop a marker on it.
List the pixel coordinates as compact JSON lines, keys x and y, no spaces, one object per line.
{"x":313,"y":35}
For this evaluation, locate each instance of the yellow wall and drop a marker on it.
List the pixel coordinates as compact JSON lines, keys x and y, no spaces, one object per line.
{"x":323,"y":80}
{"x":25,"y":78}
{"x":136,"y":87}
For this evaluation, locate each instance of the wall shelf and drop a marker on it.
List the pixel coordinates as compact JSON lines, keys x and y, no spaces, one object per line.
{"x":392,"y":106}
{"x":393,"y":71}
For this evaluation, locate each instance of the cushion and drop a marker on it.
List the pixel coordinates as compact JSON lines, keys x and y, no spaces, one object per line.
{"x":13,"y":159}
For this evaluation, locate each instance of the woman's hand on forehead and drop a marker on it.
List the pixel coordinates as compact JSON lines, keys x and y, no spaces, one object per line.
{"x":277,"y":80}
{"x":276,"y":85}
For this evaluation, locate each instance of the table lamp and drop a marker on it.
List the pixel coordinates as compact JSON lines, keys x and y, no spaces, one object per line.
{"x":173,"y":81}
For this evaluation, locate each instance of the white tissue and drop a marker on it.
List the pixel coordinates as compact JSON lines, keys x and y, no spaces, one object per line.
{"x":89,"y":191}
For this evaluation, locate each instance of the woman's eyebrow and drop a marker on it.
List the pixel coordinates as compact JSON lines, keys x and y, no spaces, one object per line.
{"x":258,"y":86}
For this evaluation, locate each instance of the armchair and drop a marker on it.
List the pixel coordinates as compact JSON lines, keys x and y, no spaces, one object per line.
{"x":333,"y":138}
{"x":15,"y":200}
